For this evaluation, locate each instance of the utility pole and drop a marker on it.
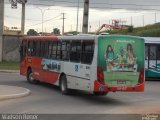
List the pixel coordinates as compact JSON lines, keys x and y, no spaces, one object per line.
{"x":155,"y":17}
{"x":23,"y":18}
{"x":1,"y":27}
{"x":63,"y":23}
{"x":77,"y":16}
{"x":80,"y":27}
{"x":143,"y":20}
{"x":131,"y":21}
{"x":85,"y":16}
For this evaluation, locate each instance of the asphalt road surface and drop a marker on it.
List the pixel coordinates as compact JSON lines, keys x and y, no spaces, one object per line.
{"x":47,"y":99}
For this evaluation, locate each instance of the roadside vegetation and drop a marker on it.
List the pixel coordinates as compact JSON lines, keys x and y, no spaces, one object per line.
{"x":9,"y":65}
{"x":146,"y":31}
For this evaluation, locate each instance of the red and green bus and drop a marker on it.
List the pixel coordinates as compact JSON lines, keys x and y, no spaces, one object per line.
{"x":95,"y":63}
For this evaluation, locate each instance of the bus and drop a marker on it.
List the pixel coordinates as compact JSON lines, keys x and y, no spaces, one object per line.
{"x":97,"y":64}
{"x":152,"y":58}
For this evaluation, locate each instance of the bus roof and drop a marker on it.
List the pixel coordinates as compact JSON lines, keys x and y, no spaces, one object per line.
{"x":78,"y":37}
{"x":74,"y":37}
{"x":155,"y":40}
{"x":40,"y":38}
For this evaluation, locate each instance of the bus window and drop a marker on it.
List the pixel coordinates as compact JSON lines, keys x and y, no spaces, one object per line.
{"x":42,"y":46}
{"x":152,"y":52}
{"x":23,"y":48}
{"x":75,"y":52}
{"x":54,"y":48}
{"x":30,"y":48}
{"x":58,"y":55}
{"x":65,"y":50}
{"x":46,"y":47}
{"x":50,"y":49}
{"x":87,"y":52}
{"x":146,"y":52}
{"x":158,"y":52}
{"x":37,"y":49}
{"x":33,"y":53}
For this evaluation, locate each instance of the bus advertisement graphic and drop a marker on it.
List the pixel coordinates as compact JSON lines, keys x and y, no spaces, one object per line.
{"x":50,"y":65}
{"x":121,"y":59}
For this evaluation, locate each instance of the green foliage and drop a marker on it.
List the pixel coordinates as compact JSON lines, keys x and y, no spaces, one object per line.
{"x":149,"y":33}
{"x":72,"y":32}
{"x":130,"y":29}
{"x":146,"y":31}
{"x":56,"y":31}
{"x":32,"y":32}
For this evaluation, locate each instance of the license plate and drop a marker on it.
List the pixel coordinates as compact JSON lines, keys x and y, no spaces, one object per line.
{"x":120,"y":82}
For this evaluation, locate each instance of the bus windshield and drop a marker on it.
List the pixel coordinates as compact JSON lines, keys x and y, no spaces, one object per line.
{"x":122,"y":59}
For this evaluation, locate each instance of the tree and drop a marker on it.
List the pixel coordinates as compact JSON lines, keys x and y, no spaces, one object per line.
{"x":130,"y":29}
{"x":56,"y":31}
{"x":32,"y":32}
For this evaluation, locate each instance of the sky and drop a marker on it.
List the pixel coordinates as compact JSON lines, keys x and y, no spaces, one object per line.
{"x":140,"y":12}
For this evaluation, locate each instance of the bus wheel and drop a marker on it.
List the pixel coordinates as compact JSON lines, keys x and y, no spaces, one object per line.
{"x":63,"y":85}
{"x":100,"y":93}
{"x":30,"y":79}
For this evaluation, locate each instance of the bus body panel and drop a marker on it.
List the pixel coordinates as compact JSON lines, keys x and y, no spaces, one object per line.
{"x":23,"y":67}
{"x":122,"y":63}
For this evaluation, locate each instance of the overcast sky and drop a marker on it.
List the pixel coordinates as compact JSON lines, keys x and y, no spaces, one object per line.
{"x":101,"y":11}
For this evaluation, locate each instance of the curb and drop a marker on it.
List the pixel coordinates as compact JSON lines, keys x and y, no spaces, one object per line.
{"x":10,"y":71}
{"x":18,"y":95}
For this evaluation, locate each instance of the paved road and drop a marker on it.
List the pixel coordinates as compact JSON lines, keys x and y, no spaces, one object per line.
{"x":48,"y":99}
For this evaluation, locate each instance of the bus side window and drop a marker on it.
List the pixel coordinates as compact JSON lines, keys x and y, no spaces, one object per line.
{"x":75,"y":53}
{"x":46,"y":49}
{"x":65,"y":50}
{"x":23,"y":48}
{"x":87,"y":52}
{"x":54,"y":48}
{"x":58,"y":55}
{"x":30,"y":48}
{"x":158,"y":52}
{"x":37,"y":49}
{"x":33,"y":53}
{"x":152,"y":52}
{"x":146,"y":52}
{"x":41,"y":48}
{"x":50,"y":49}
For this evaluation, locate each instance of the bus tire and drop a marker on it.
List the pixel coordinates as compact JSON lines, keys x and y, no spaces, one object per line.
{"x":30,"y":79}
{"x":63,"y":85}
{"x":100,"y":93}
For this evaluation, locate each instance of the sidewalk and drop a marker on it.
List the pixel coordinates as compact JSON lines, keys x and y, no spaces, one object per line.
{"x":10,"y":92}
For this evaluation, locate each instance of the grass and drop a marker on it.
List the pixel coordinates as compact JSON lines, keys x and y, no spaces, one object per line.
{"x":9,"y":65}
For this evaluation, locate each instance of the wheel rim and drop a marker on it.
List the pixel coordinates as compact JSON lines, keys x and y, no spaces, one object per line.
{"x":63,"y":86}
{"x":30,"y":77}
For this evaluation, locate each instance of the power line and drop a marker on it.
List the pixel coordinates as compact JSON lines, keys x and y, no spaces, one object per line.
{"x":45,"y":21}
{"x":111,"y":7}
{"x":124,"y":4}
{"x":103,"y":3}
{"x":40,"y":23}
{"x":13,"y":17}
